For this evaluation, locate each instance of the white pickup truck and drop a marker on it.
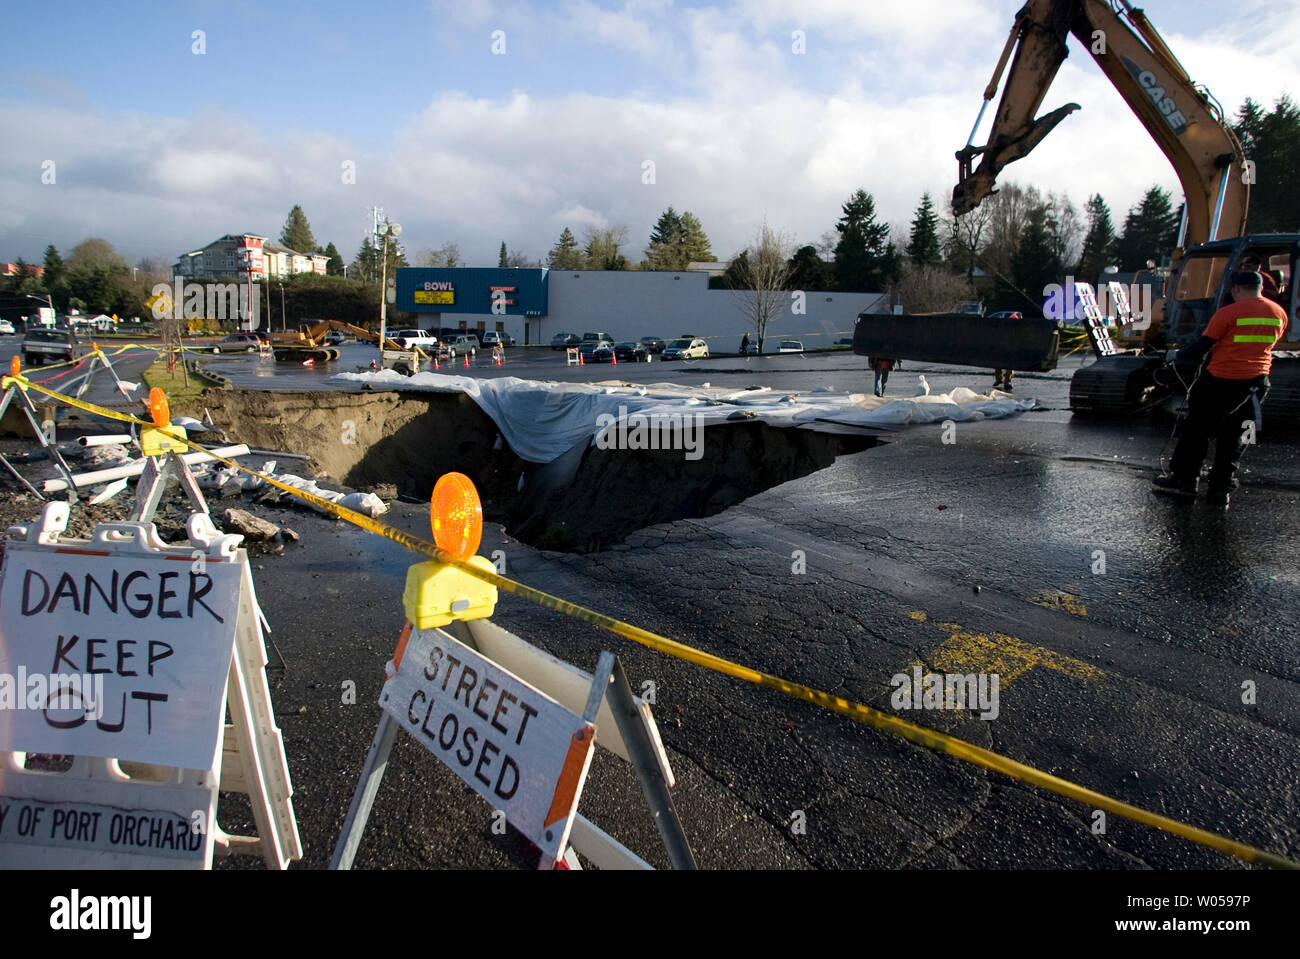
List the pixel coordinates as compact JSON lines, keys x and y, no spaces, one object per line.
{"x":410,"y":339}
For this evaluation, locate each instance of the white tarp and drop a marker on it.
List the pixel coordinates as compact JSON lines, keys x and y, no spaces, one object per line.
{"x":541,"y":420}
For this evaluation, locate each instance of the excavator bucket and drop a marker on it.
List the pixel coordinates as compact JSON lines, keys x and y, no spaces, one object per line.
{"x":992,"y":342}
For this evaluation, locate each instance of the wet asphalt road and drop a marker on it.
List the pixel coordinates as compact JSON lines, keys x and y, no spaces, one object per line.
{"x":1128,"y":681}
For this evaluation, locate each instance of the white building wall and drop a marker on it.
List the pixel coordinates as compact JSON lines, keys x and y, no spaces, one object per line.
{"x":630,"y":304}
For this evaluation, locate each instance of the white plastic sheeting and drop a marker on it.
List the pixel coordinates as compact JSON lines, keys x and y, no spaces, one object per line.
{"x":542,"y":420}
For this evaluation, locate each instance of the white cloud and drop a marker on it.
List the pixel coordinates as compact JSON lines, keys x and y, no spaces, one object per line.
{"x":884,"y":97}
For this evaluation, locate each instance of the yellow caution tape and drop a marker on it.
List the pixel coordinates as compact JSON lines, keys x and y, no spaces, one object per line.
{"x":930,"y":739}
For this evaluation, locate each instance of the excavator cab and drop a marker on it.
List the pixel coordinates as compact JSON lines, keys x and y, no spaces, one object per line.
{"x":1203,"y":283}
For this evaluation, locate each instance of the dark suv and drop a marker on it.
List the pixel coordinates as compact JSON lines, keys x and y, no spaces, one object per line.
{"x":56,"y":346}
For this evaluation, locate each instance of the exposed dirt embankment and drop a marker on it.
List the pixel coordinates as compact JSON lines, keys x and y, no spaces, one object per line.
{"x":410,"y":439}
{"x":364,"y":439}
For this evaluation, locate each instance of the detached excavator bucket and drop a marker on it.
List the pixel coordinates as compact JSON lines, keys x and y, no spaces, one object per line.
{"x":993,"y":342}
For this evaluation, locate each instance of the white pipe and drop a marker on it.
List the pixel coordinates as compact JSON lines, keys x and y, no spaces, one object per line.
{"x":136,"y":468}
{"x":108,"y":492}
{"x":104,"y":440}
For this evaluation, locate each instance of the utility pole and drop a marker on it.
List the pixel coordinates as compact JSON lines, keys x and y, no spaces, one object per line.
{"x":393,"y":230}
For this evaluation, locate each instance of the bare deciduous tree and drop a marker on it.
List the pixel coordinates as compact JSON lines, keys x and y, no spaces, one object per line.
{"x":603,"y":248}
{"x":928,"y":288}
{"x":761,"y":273}
{"x":447,"y":255}
{"x":965,"y":237}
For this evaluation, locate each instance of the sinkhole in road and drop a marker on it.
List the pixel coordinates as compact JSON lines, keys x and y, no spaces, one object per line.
{"x":588,"y":500}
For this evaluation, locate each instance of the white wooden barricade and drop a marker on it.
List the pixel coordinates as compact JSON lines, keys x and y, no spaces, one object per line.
{"x":469,"y":693}
{"x":161,"y":640}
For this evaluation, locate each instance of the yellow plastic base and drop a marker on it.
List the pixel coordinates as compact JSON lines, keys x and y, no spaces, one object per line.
{"x":435,"y":594}
{"x":155,"y":441}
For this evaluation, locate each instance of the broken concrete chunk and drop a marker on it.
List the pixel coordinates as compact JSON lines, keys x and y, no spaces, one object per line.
{"x":253,"y":528}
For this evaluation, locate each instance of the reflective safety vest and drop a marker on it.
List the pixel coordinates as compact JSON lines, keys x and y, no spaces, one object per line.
{"x":1245,"y":333}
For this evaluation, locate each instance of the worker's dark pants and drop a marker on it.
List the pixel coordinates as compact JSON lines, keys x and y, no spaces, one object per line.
{"x":882,"y":380}
{"x":1216,"y":408}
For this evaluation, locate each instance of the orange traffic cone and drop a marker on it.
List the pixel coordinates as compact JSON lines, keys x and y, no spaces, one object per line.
{"x":580,"y":363}
{"x":466,"y":361}
{"x":498,"y":359}
{"x":435,"y":361}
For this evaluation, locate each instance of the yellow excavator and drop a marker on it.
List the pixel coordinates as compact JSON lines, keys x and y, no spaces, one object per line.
{"x":308,"y":342}
{"x":1189,"y":126}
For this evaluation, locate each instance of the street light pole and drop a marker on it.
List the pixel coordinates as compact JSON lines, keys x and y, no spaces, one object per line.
{"x":48,"y":300}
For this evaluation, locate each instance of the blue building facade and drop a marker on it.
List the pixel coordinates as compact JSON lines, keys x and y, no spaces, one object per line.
{"x":476,"y":291}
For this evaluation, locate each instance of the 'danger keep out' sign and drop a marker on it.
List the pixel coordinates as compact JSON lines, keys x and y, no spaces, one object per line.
{"x":146,"y":642}
{"x":515,"y":746}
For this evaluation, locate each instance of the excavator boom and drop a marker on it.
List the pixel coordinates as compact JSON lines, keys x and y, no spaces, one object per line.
{"x":1181,"y":116}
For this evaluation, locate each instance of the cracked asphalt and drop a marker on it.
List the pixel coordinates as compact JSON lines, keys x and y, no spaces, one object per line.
{"x":981,"y":555}
{"x":1128,"y":632}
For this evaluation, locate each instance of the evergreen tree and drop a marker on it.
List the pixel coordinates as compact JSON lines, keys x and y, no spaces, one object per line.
{"x":334,"y":267}
{"x":503,"y":259}
{"x":923,"y":248}
{"x":365,"y":265}
{"x":1099,"y":245}
{"x":695,"y":240}
{"x":53,"y":265}
{"x":808,"y":271}
{"x":737,"y":273}
{"x":1150,"y":231}
{"x":665,"y":251}
{"x":565,"y":255}
{"x":368,"y":266}
{"x":1035,"y":262}
{"x":863,"y":247}
{"x":1272,"y":142}
{"x":296,"y":234}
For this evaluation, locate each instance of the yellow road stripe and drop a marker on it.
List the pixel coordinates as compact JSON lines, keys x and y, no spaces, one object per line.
{"x":856,"y":711}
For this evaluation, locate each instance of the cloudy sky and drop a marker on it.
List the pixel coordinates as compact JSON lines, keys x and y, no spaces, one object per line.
{"x":161,"y":148}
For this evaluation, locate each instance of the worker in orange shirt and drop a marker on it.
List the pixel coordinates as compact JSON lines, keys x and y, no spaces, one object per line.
{"x":1229,"y":392}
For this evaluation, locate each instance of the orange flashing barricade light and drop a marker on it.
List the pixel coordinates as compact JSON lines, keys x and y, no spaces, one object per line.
{"x":163,"y":437}
{"x":159,"y":409}
{"x":15,"y":377}
{"x":437,"y":594}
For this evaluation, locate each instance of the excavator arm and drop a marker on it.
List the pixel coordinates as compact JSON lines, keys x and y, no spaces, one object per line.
{"x":1180,"y":115}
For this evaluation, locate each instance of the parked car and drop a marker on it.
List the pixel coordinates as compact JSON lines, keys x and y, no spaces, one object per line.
{"x":53,"y":345}
{"x":6,"y":328}
{"x":597,"y":336}
{"x":336,"y":338}
{"x":237,"y":343}
{"x":561,"y":341}
{"x":653,"y":344}
{"x":598,"y":350}
{"x":410,"y":339}
{"x":631,"y":352}
{"x":693,"y":348}
{"x":462,"y":345}
{"x":790,"y":346}
{"x":493,"y":338}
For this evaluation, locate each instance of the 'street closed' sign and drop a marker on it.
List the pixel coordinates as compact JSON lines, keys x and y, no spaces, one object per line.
{"x":516,"y":747}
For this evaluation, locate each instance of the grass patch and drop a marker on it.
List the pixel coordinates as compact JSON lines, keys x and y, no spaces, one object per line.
{"x":182,"y":398}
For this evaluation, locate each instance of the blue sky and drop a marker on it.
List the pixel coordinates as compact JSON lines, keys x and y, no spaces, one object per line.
{"x":161,"y":150}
